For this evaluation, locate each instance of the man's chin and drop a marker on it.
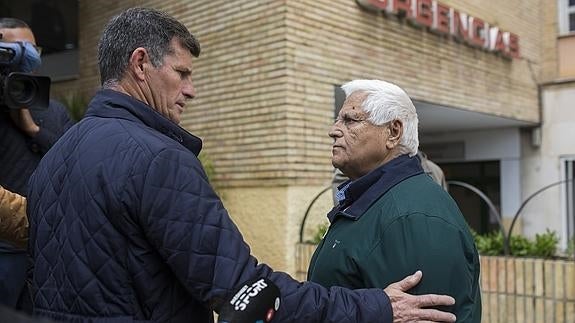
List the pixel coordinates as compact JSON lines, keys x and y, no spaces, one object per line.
{"x":336,"y":164}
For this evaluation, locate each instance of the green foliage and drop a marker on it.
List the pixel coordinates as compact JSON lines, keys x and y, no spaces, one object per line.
{"x":520,"y":246}
{"x":319,"y":233}
{"x":490,"y":244}
{"x":76,"y":104}
{"x":544,"y":245}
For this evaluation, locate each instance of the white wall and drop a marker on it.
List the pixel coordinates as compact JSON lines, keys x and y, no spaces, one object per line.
{"x":541,"y":166}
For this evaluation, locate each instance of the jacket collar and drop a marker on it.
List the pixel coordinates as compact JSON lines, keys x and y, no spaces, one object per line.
{"x":113,"y":104}
{"x":366,"y":190}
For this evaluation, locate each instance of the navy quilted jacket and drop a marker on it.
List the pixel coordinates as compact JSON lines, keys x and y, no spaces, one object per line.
{"x":124,"y":227}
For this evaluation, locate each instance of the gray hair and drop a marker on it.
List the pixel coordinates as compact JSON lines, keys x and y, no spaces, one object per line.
{"x":386,"y":102}
{"x":139,"y":27}
{"x":12,"y":23}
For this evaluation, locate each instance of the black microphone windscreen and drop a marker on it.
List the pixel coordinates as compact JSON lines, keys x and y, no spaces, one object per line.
{"x":254,"y":301}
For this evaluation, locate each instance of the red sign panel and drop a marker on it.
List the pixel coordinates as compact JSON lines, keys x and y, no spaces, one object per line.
{"x":440,"y":18}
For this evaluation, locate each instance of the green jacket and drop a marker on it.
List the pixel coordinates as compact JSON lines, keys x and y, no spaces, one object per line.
{"x":400,"y":223}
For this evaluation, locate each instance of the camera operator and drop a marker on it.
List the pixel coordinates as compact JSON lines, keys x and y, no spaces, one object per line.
{"x":25,"y":135}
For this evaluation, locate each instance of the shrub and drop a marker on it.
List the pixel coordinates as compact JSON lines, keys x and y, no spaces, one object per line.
{"x":319,"y":233}
{"x":490,"y":244}
{"x":544,"y":245}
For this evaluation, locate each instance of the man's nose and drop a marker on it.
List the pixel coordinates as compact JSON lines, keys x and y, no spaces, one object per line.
{"x":189,"y":90}
{"x":335,"y":131}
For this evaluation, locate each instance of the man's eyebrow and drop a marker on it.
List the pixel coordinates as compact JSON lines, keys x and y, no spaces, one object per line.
{"x":183,"y":69}
{"x":352,"y":114}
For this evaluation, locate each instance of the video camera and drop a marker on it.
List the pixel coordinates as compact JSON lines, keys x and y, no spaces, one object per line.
{"x":18,"y":88}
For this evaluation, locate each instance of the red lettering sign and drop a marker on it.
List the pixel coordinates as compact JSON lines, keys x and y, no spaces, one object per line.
{"x":441,"y":18}
{"x":459,"y":25}
{"x":445,"y":20}
{"x":513,"y":45}
{"x":477,"y":31}
{"x":424,"y":15}
{"x":497,"y":44}
{"x":403,"y":8}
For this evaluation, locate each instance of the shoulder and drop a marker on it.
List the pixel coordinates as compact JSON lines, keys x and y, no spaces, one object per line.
{"x":421,"y":194}
{"x":416,"y":195}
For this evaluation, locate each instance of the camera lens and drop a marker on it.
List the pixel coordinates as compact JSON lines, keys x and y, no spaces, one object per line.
{"x":22,"y":91}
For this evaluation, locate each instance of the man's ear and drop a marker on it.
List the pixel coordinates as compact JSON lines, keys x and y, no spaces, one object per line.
{"x":138,"y":60}
{"x":395,"y":131}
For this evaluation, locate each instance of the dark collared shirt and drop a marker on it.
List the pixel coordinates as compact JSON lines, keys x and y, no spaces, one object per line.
{"x":363,"y":192}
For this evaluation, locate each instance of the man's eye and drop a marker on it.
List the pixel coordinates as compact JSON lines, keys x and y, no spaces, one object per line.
{"x":183,"y":74}
{"x":347,"y":120}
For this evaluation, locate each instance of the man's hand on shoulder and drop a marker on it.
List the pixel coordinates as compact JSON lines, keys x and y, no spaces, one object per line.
{"x":413,"y":308}
{"x":23,"y":120}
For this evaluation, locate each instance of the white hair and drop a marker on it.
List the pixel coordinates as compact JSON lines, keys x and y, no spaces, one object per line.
{"x":386,"y":102}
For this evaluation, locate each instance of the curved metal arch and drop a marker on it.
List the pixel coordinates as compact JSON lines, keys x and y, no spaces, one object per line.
{"x":302,"y":225}
{"x":522,"y":206}
{"x":492,"y":208}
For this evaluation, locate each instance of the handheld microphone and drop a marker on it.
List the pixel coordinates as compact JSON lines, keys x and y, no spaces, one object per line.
{"x":255,"y":301}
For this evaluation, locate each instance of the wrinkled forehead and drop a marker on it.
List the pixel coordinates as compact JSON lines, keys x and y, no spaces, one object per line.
{"x":354,"y":103}
{"x":17,"y":34}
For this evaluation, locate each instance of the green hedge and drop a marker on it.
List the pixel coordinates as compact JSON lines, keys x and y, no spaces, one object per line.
{"x":543,"y":246}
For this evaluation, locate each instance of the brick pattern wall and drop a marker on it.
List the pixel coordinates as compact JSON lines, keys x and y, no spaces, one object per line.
{"x":527,"y":290}
{"x":333,"y":41}
{"x":267,"y":70}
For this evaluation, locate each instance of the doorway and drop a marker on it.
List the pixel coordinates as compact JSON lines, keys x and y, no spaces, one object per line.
{"x":484,"y":175}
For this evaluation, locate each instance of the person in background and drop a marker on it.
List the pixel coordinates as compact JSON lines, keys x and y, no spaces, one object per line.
{"x":391,"y":217}
{"x":433,"y":170}
{"x":124,"y":225}
{"x":13,"y":220}
{"x":25,"y":136}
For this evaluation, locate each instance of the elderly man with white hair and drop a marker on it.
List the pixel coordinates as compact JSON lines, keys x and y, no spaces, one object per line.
{"x":392,"y":219}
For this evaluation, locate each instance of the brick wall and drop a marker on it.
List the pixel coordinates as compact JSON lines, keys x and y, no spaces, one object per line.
{"x":266,"y":74}
{"x":527,"y":290}
{"x":330,"y":42}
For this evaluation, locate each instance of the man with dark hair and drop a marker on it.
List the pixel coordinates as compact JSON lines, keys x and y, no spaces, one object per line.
{"x":13,"y":221}
{"x":124,"y":225}
{"x":25,"y":135}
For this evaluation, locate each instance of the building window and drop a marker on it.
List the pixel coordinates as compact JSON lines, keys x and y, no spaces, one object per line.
{"x":55,"y":26}
{"x":566,"y":16}
{"x":568,"y":164}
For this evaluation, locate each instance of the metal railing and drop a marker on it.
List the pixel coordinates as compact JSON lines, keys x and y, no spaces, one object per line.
{"x":506,"y":234}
